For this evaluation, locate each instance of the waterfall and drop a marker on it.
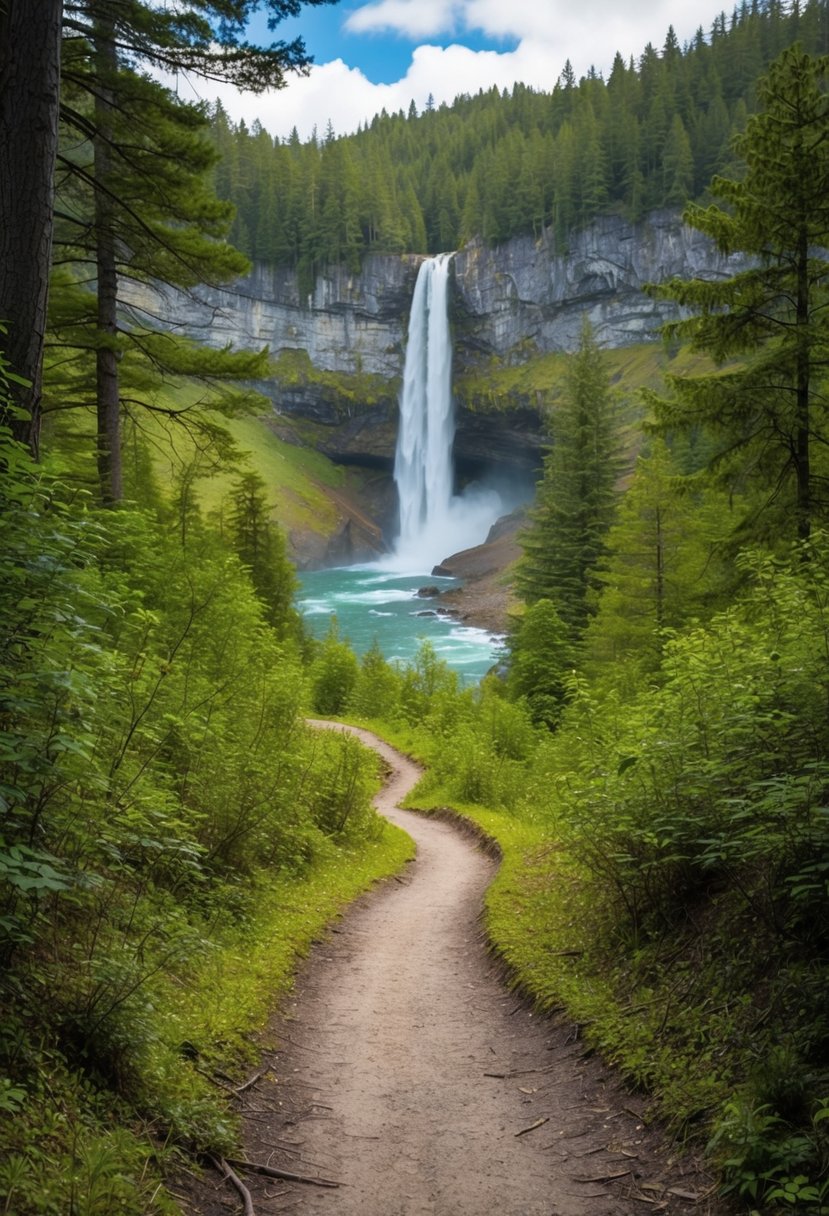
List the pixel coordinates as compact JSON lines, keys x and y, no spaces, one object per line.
{"x":433,"y":523}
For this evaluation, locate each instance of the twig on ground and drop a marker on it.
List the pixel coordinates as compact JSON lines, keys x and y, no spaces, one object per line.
{"x":224,"y":1168}
{"x":533,"y":1126}
{"x":270,"y":1171}
{"x":240,"y":1089}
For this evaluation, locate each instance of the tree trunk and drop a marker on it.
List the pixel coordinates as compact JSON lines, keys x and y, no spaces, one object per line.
{"x":106,"y":358}
{"x":803,"y":377}
{"x":30,"y":39}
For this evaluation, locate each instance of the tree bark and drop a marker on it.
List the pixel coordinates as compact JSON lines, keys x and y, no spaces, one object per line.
{"x":106,"y":358}
{"x":802,"y":388}
{"x":30,"y":41}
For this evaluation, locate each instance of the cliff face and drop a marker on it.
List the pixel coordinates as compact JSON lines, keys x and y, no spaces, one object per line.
{"x":522,"y":297}
{"x":509,"y":303}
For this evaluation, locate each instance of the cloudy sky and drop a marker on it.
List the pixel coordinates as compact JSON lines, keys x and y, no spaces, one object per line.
{"x":386,"y":53}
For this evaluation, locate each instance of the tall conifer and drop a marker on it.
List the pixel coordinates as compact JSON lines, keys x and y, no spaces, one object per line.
{"x":576,"y":497}
{"x":768,"y":410}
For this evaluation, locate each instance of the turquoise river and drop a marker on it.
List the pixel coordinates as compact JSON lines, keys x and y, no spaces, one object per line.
{"x":371,"y":602}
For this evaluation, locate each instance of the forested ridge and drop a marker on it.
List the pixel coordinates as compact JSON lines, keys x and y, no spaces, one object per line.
{"x":493,"y":165}
{"x":653,"y":753}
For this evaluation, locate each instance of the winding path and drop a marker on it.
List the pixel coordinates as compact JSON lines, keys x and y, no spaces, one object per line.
{"x":410,"y":1075}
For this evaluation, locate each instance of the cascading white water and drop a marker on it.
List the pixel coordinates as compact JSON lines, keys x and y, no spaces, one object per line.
{"x":433,"y":523}
{"x":423,"y":461}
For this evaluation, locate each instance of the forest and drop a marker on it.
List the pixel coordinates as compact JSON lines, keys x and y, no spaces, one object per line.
{"x":497,"y":164}
{"x":651,"y":757}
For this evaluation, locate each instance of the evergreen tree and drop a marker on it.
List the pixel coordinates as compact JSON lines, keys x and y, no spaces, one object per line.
{"x":540,"y":654}
{"x":134,"y":169}
{"x":659,"y":570}
{"x":261,"y":548}
{"x":767,"y":409}
{"x":575,"y":498}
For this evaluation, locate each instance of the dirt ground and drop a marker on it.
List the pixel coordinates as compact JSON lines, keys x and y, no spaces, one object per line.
{"x":406,"y":1072}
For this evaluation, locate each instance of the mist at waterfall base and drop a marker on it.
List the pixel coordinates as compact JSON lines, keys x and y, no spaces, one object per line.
{"x":380,"y":601}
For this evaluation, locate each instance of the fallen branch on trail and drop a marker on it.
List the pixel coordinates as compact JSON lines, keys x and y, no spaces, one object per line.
{"x":241,"y":1089}
{"x":224,"y":1169}
{"x":268,"y":1171}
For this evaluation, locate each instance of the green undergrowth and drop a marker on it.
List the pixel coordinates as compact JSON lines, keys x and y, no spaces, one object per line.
{"x":69,"y":1145}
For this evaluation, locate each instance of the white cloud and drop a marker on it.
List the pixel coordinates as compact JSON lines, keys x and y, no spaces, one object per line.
{"x":548,"y":21}
{"x":412,"y":18}
{"x":549,"y":32}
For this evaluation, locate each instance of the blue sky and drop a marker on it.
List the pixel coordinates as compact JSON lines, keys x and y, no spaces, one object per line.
{"x":383,"y":57}
{"x":375,"y":54}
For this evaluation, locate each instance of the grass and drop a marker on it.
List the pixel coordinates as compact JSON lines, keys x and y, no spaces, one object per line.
{"x":540,"y":381}
{"x":299,"y":478}
{"x":247,"y":974}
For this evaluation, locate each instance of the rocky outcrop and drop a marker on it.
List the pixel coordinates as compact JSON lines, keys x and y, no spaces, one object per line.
{"x":353,"y":324}
{"x":509,"y":303}
{"x":510,"y":300}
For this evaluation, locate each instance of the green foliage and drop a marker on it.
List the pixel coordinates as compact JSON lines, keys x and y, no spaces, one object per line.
{"x":157,"y":783}
{"x":717,"y":775}
{"x":376,"y":690}
{"x":768,"y":1160}
{"x":662,"y":568}
{"x":334,"y":673}
{"x":541,"y":654}
{"x":575,"y":499}
{"x":261,"y":548}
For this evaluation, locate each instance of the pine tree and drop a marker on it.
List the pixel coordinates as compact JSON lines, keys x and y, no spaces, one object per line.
{"x":261,"y":548}
{"x":135,"y":166}
{"x":540,"y":654}
{"x":576,"y":495}
{"x":772,"y":315}
{"x":659,"y":569}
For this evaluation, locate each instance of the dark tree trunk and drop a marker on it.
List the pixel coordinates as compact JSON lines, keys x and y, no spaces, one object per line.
{"x":803,"y":375}
{"x":106,"y":359}
{"x":30,"y":38}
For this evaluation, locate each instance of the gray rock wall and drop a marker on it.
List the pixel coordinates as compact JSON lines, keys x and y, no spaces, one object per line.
{"x":510,"y":301}
{"x":522,"y":297}
{"x":353,"y":323}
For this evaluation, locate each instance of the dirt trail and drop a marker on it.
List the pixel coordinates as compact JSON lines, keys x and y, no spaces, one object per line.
{"x":408,"y":1073}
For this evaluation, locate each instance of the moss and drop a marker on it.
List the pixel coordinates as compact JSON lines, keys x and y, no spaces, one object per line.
{"x":363,"y":390}
{"x":538,"y":382}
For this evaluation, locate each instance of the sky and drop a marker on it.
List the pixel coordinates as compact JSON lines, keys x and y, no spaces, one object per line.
{"x":371,"y":54}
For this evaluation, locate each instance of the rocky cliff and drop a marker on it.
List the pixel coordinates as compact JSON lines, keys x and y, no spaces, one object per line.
{"x":523,"y":298}
{"x":339,"y":352}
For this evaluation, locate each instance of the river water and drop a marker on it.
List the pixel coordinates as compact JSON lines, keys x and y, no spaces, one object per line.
{"x":374,"y":603}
